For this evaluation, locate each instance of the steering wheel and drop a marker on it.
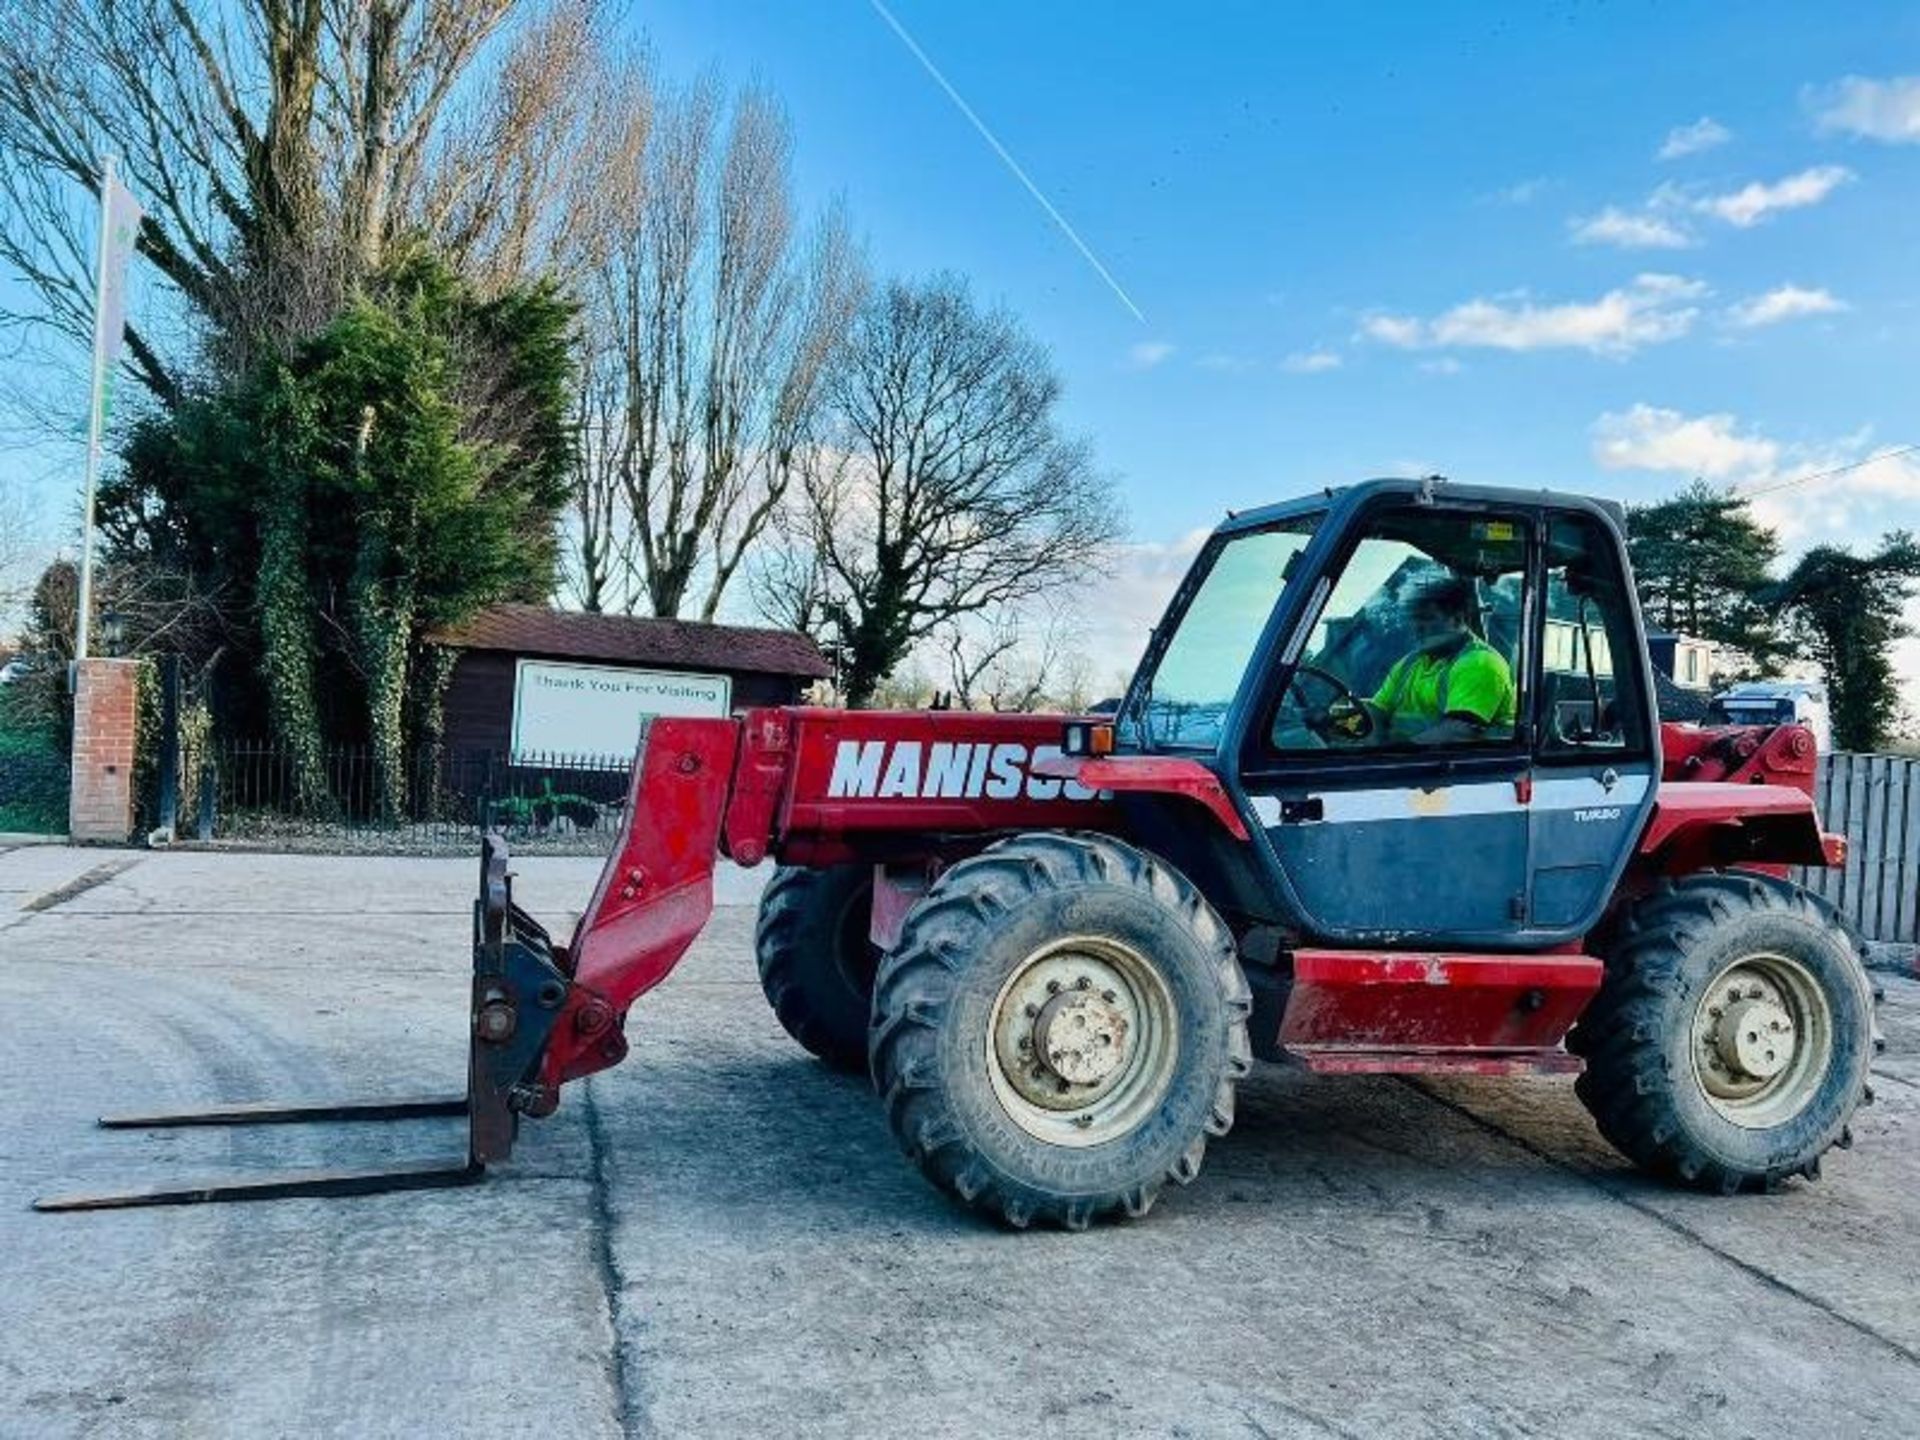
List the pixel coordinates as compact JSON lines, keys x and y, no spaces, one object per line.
{"x":1343,"y":717}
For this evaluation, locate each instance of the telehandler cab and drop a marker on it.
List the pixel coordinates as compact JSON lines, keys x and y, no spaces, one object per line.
{"x":1388,"y":795}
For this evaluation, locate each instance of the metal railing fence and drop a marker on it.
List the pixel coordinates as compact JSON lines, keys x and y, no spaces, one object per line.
{"x":253,"y":792}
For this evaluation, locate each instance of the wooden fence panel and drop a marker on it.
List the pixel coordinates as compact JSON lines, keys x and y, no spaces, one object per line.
{"x":1907,"y":914}
{"x":1851,"y":879}
{"x":1874,"y":800}
{"x":1828,"y":802}
{"x":1884,"y":872}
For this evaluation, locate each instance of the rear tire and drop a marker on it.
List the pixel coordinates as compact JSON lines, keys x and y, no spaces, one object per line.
{"x":1059,"y":1030}
{"x":1731,"y":1039}
{"x":816,"y":960}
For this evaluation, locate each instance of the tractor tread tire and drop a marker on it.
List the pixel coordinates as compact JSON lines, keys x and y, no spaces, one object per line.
{"x":918,"y":981}
{"x":1651,"y":984}
{"x":805,"y":980}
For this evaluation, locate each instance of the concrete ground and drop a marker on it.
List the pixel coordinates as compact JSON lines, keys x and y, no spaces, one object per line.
{"x":718,"y":1238}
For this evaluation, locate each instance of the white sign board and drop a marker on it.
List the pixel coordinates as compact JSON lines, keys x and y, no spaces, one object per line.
{"x":561,"y":709}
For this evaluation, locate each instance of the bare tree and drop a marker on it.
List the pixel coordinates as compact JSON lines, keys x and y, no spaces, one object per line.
{"x":1071,"y":689}
{"x":1002,"y":664}
{"x":721,"y":315}
{"x":546,"y":167}
{"x":789,"y":581}
{"x":597,"y":552}
{"x":944,"y":488}
{"x":281,"y":147}
{"x":18,"y":546}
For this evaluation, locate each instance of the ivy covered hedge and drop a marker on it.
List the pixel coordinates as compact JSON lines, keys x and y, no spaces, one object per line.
{"x":400,"y":469}
{"x":33,"y":771}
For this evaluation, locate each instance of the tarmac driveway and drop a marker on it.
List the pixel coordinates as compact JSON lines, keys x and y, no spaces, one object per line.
{"x":718,"y":1238}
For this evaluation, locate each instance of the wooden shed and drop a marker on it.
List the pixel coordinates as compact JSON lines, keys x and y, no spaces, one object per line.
{"x":533,"y":680}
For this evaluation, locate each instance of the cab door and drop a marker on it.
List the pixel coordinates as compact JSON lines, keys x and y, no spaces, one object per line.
{"x":1378,"y":841}
{"x":1597,"y":759}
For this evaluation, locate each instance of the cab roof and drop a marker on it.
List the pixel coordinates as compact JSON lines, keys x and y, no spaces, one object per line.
{"x":1438,"y":488}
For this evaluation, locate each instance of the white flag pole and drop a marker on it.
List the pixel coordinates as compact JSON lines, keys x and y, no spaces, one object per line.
{"x":96,"y":413}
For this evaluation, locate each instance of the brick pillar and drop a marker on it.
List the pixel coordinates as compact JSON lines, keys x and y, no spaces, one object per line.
{"x":105,"y":702}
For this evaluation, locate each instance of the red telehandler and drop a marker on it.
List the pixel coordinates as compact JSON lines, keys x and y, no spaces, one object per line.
{"x":1321,"y":829}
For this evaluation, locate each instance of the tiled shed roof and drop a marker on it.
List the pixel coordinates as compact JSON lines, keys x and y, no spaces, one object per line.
{"x":637,"y":640}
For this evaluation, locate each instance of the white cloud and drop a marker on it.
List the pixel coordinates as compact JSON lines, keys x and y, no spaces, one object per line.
{"x":1661,"y":222}
{"x":1786,"y":302}
{"x":1650,"y":310}
{"x":1749,"y":205}
{"x":1886,"y":110}
{"x":1444,"y":365}
{"x":1646,"y":438}
{"x":1401,"y":330}
{"x":1628,"y":231}
{"x":1147,"y":354}
{"x":1706,"y":133}
{"x":1847,"y":506}
{"x":1523,"y":193}
{"x":1115,"y":612}
{"x":1310,"y":362}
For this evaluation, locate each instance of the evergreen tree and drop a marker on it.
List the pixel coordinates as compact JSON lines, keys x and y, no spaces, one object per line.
{"x":1699,"y":560}
{"x":396,"y":472}
{"x":1846,"y":610}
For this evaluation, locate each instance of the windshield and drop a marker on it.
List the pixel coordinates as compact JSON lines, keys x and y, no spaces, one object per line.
{"x":1183,"y":702}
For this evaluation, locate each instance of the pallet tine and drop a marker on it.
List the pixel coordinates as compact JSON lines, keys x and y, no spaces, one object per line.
{"x":276,"y":1185}
{"x":518,"y":991}
{"x":272,"y":1112}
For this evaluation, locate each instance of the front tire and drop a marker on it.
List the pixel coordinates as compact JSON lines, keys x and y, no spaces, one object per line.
{"x":816,"y":960}
{"x":1059,"y":1030}
{"x":1731,"y":1039}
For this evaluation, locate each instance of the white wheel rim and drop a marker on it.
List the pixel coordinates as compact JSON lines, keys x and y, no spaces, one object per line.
{"x":1083,"y":1041}
{"x":1762,"y":1040}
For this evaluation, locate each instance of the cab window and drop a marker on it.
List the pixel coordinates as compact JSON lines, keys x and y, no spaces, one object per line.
{"x":1420,"y":642}
{"x":1182,"y":699}
{"x":1590,"y":694}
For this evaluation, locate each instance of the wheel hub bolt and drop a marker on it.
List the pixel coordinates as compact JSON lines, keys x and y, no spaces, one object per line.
{"x":1753,"y":1040}
{"x":1083,"y":1038}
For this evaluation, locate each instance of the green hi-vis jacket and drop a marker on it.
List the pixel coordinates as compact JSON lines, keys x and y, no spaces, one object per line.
{"x":1473,"y":681}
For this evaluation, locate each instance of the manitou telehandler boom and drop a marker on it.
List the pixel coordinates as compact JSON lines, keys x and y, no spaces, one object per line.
{"x":1388,"y":794}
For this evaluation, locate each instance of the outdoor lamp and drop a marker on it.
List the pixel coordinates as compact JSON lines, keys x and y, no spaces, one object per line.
{"x":113,"y":630}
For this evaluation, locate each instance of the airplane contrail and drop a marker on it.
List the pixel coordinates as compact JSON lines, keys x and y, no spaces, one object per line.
{"x":1014,"y":165}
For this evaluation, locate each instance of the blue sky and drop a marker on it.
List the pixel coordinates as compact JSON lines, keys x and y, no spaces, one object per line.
{"x":1412,"y":236}
{"x":1602,"y":248}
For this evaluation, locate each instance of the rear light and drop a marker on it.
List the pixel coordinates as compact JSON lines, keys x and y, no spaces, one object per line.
{"x":1085,"y":738}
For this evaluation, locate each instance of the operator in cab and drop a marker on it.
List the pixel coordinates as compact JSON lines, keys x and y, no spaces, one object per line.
{"x":1452,"y":687}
